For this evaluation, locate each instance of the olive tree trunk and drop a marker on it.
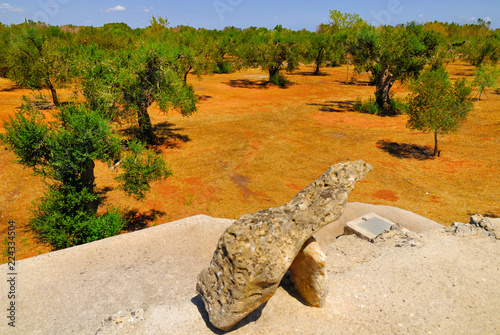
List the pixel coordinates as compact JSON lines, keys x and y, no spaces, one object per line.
{"x":88,"y":181}
{"x":383,"y":85}
{"x":53,"y":91}
{"x":145,"y":126}
{"x":436,"y":151}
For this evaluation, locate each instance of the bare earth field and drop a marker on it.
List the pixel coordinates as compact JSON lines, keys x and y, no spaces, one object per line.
{"x":252,"y":146}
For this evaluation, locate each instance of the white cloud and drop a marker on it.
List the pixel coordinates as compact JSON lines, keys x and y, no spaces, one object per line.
{"x":145,"y":10}
{"x":421,"y":15}
{"x":114,"y":9}
{"x":488,"y":19}
{"x":6,"y":6}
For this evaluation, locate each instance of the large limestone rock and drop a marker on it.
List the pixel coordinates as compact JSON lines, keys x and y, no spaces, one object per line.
{"x":254,"y":253}
{"x":308,"y":273}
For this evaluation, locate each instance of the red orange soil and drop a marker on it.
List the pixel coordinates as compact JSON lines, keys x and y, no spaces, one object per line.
{"x":251,"y":146}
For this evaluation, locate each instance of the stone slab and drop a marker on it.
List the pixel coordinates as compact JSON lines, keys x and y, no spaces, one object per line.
{"x":368,"y":226}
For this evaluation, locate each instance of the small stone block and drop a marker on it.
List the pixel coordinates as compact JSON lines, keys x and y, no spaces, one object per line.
{"x":368,"y":226}
{"x":308,"y":273}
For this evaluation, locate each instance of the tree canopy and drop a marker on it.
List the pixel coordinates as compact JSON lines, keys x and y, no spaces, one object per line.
{"x":131,"y":80}
{"x":438,"y":105}
{"x":393,"y":53}
{"x":272,"y":50}
{"x":40,"y":57}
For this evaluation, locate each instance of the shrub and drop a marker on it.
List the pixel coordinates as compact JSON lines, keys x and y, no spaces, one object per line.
{"x":399,"y":106}
{"x":279,"y":80}
{"x":63,"y":152}
{"x":370,"y":106}
{"x":99,"y":227}
{"x":141,"y":167}
{"x":62,"y":218}
{"x":224,"y":67}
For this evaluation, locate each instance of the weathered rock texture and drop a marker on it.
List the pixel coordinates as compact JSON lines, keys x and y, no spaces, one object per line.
{"x":254,"y":253}
{"x":478,"y":225}
{"x":308,"y":273}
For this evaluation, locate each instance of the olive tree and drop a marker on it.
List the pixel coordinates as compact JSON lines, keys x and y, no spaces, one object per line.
{"x":40,"y":58}
{"x":393,"y":53}
{"x":438,"y":105}
{"x":272,"y":50}
{"x":133,"y":79}
{"x":486,"y":76}
{"x":64,"y":152}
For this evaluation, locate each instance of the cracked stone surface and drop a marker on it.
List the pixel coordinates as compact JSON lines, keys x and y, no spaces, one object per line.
{"x":254,"y":253}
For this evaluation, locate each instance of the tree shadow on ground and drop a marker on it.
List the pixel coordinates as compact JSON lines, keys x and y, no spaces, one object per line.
{"x":252,"y":317}
{"x":10,"y":88}
{"x":167,"y":134}
{"x":464,"y":74}
{"x":101,"y":193}
{"x":247,"y":83}
{"x":257,"y":84}
{"x":309,"y":74}
{"x":138,"y":221}
{"x":404,"y":150}
{"x":203,"y":97}
{"x":335,"y":106}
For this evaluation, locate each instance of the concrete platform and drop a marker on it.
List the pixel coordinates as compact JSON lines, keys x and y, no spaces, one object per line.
{"x":152,"y":273}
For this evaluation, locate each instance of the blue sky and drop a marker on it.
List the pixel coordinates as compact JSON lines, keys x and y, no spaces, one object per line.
{"x":217,"y":14}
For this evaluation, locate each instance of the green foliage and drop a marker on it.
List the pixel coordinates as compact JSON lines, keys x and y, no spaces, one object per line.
{"x":5,"y":36}
{"x":344,"y":21}
{"x":393,"y":53}
{"x":112,"y":36}
{"x":98,"y":70}
{"x":61,"y":218}
{"x":158,"y":24}
{"x":481,"y":49}
{"x":64,"y":152}
{"x":370,"y":106}
{"x":272,"y":50}
{"x":437,"y":105}
{"x":40,"y":58}
{"x":28,"y":136}
{"x":367,"y":106}
{"x":330,"y":44}
{"x":399,"y":106}
{"x":279,"y":79}
{"x":486,"y":76}
{"x":224,"y":67}
{"x":128,"y":82}
{"x":141,"y":167}
{"x":321,"y":48}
